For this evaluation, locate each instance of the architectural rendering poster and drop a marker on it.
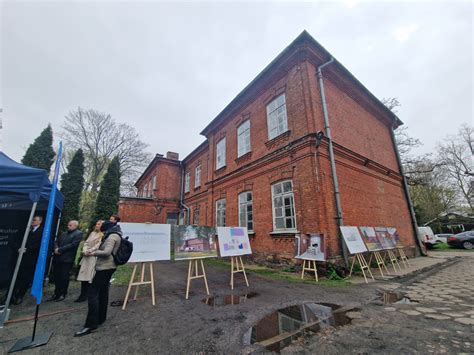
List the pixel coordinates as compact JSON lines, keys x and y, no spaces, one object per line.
{"x":393,"y":234}
{"x":312,"y":247}
{"x":370,"y":238}
{"x":194,"y":242}
{"x":384,"y":238}
{"x":151,"y":242}
{"x":353,"y":240}
{"x":233,"y":241}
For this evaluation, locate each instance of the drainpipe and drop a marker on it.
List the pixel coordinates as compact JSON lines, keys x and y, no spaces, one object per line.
{"x":181,"y":203}
{"x":407,"y":195}
{"x":327,"y":128}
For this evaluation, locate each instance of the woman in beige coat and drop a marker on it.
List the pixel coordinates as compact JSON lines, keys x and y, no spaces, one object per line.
{"x":87,"y":270}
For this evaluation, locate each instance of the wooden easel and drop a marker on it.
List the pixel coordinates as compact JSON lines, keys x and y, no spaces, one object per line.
{"x":307,"y":267}
{"x":363,"y":265}
{"x":380,"y":262}
{"x":142,"y":281}
{"x":194,"y":269}
{"x":393,"y":260}
{"x":235,"y":268}
{"x":403,"y":257}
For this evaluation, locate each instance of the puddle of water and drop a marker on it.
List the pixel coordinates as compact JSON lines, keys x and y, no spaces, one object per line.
{"x":225,"y":300}
{"x":389,"y":297}
{"x":309,"y":317}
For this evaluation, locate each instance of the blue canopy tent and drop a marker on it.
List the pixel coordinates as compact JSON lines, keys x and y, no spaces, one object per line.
{"x":23,"y":191}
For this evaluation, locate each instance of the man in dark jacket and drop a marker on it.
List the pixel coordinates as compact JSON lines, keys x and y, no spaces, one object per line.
{"x":28,"y":261}
{"x":65,"y":248}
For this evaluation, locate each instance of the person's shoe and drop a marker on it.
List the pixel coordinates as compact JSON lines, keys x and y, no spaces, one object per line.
{"x":52,"y":298}
{"x":18,"y":300}
{"x":81,"y":299}
{"x":60,"y":298}
{"x":84,"y":331}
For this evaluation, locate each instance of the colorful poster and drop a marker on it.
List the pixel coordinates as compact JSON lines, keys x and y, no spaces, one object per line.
{"x":393,"y":234}
{"x":151,"y":242}
{"x":370,"y":238}
{"x":233,"y":241}
{"x":311,"y":247}
{"x":194,"y":242}
{"x":385,"y":240}
{"x":353,"y":240}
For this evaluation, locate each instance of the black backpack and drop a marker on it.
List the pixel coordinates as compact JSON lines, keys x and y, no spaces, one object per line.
{"x":124,"y":251}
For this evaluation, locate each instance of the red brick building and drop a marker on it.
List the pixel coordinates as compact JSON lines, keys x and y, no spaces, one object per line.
{"x":266,"y":161}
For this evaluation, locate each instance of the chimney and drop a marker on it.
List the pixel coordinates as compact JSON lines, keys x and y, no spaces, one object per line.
{"x":172,"y":155}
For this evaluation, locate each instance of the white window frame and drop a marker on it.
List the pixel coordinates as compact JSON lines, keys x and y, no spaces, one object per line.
{"x":187,"y":179}
{"x":154,"y":182}
{"x":277,"y":119}
{"x":197,"y":176}
{"x":283,"y":195}
{"x":243,"y":204}
{"x":197,"y":213}
{"x":220,"y":154}
{"x":243,"y":139}
{"x":220,"y":212}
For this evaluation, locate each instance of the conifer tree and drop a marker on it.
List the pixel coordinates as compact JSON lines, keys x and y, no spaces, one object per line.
{"x":40,"y":154}
{"x":72,"y":183}
{"x":109,"y":193}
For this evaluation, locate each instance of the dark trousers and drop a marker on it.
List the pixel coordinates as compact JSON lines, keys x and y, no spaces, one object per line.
{"x":84,"y":290}
{"x":61,"y":277}
{"x":98,"y":298}
{"x":25,"y":276}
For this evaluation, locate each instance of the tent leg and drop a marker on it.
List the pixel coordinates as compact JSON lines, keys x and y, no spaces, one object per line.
{"x":4,"y":313}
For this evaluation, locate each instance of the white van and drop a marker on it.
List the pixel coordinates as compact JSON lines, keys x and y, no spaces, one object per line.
{"x":427,"y":236}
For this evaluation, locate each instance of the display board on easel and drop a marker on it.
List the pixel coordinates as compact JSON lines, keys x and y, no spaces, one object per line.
{"x":151,"y":242}
{"x":194,"y":243}
{"x":356,"y":248}
{"x":311,"y":248}
{"x":234,"y":242}
{"x":374,"y":247}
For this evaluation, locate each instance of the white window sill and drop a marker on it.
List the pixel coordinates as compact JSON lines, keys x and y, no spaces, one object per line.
{"x":283,"y":232}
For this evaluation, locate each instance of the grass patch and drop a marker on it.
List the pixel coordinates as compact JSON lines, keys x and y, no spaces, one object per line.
{"x":447,"y":247}
{"x":122,"y":274}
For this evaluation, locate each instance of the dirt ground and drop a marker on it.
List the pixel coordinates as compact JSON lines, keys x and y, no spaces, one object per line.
{"x":180,"y":326}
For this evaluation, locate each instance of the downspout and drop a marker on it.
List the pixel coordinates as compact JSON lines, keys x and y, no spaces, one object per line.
{"x":181,"y":203}
{"x":327,"y":129}
{"x":407,"y":195}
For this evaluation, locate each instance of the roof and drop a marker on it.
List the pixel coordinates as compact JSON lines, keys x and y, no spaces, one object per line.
{"x":304,"y":39}
{"x":157,"y":158}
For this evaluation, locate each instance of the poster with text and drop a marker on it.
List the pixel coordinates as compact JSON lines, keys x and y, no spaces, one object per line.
{"x":370,"y":238}
{"x":384,"y":238}
{"x":151,"y":242}
{"x":312,"y":247}
{"x":194,"y":242}
{"x":353,"y":240}
{"x":393,"y":234}
{"x":233,"y":241}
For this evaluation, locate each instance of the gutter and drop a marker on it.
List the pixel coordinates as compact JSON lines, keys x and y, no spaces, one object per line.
{"x":337,"y":193}
{"x":181,"y":194}
{"x":407,"y":196}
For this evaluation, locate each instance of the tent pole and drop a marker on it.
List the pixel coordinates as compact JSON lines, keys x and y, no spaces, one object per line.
{"x":4,"y":314}
{"x":48,"y":271}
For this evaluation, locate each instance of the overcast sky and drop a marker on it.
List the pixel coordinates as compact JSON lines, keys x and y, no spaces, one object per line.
{"x":168,"y":69}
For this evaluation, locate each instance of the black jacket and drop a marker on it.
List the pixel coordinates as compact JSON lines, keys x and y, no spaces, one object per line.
{"x":33,"y":243}
{"x":67,"y":244}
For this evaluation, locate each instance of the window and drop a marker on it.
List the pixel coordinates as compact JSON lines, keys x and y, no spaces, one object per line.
{"x":197,"y":176}
{"x":220,"y":154}
{"x":186,"y":182}
{"x":154,"y":182}
{"x":276,"y":117}
{"x":243,"y":138}
{"x":283,"y":206}
{"x":150,"y":191}
{"x":246,"y":210}
{"x":146,"y":191}
{"x":196,"y":216}
{"x":220,"y":213}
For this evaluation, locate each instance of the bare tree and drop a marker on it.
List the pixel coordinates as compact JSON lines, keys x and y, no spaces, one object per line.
{"x":101,"y":138}
{"x":456,"y":152}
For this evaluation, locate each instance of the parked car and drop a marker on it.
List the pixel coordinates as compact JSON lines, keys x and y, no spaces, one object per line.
{"x":462,"y":240}
{"x":443,"y":238}
{"x":427,"y":236}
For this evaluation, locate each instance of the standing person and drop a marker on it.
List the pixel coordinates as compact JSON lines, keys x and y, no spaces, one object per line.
{"x":65,"y":249}
{"x":114,"y":219}
{"x":28,"y":262}
{"x":87,"y":270}
{"x":98,"y":296}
